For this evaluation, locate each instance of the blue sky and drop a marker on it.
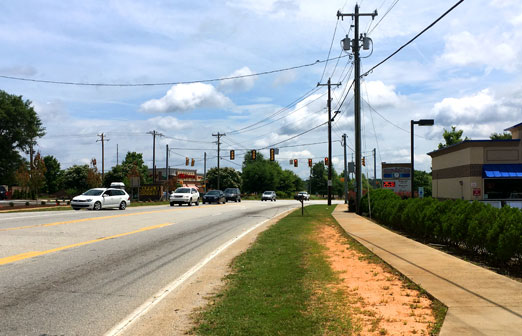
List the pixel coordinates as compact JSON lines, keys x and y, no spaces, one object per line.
{"x":465,"y":72}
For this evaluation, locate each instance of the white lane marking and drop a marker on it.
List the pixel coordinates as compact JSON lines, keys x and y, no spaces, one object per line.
{"x":159,"y":296}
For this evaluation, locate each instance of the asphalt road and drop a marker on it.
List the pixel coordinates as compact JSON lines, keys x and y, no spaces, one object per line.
{"x":82,"y":272}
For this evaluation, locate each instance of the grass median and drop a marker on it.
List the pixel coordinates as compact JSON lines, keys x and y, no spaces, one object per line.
{"x":306,"y":276}
{"x":280,"y":285}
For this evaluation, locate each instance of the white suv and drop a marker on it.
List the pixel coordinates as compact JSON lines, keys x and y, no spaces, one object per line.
{"x":99,"y":198}
{"x":184,"y":195}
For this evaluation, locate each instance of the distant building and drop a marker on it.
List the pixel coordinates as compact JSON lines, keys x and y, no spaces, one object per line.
{"x":185,"y":177}
{"x":484,"y":170}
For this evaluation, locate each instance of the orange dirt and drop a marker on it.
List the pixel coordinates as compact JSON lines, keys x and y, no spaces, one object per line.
{"x":381,"y":303}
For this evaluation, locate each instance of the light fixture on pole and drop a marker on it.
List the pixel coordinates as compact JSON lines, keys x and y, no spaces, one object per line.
{"x":421,"y":122}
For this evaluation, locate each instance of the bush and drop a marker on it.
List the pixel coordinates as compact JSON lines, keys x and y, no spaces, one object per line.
{"x":43,"y":202}
{"x":11,"y":204}
{"x":474,"y":226}
{"x":26,"y":203}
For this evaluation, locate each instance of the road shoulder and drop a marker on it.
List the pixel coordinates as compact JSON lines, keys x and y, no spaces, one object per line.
{"x":172,"y":316}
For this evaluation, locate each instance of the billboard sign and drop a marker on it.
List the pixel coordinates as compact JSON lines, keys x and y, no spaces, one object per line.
{"x":397,"y":178}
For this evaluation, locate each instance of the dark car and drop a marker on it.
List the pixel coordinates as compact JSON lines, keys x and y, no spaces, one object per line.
{"x":3,"y":193}
{"x":214,"y":196}
{"x":232,"y":194}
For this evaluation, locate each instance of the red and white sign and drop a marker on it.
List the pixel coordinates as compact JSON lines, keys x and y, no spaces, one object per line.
{"x":388,"y":184}
{"x":476,"y":191}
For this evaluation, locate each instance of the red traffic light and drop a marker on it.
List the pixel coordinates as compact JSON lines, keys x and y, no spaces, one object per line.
{"x":295,"y":163}
{"x":326,"y":161}
{"x":310,"y":163}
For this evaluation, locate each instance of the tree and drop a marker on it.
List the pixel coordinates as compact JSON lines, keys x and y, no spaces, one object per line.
{"x":75,"y":179}
{"x":22,"y":178}
{"x":19,"y":129}
{"x":228,"y":178}
{"x":52,"y":175}
{"x":452,"y":137}
{"x":132,"y":165}
{"x":501,"y":136}
{"x":319,"y":179}
{"x":37,"y":175}
{"x":260,"y":175}
{"x":93,"y":176}
{"x":422,"y":179}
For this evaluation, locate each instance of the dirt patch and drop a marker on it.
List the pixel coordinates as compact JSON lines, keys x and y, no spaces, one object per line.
{"x":381,"y":303}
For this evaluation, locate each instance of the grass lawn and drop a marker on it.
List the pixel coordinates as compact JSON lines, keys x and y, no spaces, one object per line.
{"x":280,"y":285}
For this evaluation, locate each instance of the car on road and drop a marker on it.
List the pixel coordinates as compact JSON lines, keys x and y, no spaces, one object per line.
{"x":268,"y":196}
{"x":184,"y":195}
{"x":3,"y":193}
{"x":232,"y":194}
{"x":101,"y":198}
{"x":302,"y":195}
{"x":214,"y":196}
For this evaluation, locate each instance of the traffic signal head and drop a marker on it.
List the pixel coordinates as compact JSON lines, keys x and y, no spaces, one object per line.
{"x":186,"y":161}
{"x":193,"y":162}
{"x":295,"y":163}
{"x":326,"y":161}
{"x":253,"y":154}
{"x":272,"y":154}
{"x":363,"y":161}
{"x":310,"y":163}
{"x":232,"y":154}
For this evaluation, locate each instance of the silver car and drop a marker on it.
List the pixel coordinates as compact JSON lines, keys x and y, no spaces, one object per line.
{"x":268,"y":196}
{"x":101,"y":198}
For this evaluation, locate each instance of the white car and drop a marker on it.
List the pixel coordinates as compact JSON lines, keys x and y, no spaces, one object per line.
{"x":101,"y":198}
{"x":184,"y":195}
{"x":302,"y":195}
{"x":269,"y":196}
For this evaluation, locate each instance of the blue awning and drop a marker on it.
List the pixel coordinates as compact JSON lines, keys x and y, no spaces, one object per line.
{"x":501,"y":170}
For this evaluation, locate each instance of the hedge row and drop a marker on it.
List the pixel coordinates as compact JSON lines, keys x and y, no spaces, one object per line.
{"x":473,"y":226}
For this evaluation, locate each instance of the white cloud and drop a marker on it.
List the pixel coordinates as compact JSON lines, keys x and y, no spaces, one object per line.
{"x":380,"y":95}
{"x":239,"y":84}
{"x":185,"y":97}
{"x":284,"y":78}
{"x":480,"y":114}
{"x":467,"y":49}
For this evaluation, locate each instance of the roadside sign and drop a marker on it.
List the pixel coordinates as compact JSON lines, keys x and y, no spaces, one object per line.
{"x":421,"y":192}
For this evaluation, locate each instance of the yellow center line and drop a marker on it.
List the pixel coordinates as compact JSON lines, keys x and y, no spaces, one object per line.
{"x":85,"y":220}
{"x":32,"y":254}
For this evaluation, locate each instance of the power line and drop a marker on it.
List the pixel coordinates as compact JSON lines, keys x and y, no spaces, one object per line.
{"x":44,"y":81}
{"x":413,"y":39}
{"x":330,"y":50}
{"x":382,"y":18}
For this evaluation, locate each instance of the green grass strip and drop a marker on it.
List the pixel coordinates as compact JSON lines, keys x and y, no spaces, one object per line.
{"x":278,"y":286}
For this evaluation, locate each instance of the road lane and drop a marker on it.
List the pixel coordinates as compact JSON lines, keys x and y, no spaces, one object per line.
{"x":88,"y":289}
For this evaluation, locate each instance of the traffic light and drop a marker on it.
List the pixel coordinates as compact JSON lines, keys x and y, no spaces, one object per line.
{"x":295,"y":163}
{"x":232,"y":154}
{"x":253,"y":154}
{"x":363,"y":161}
{"x":193,"y":161}
{"x":326,"y":161}
{"x":186,"y":161}
{"x":310,"y":163}
{"x":272,"y":154}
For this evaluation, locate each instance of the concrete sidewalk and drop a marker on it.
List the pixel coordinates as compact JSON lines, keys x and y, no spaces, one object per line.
{"x":480,"y":302}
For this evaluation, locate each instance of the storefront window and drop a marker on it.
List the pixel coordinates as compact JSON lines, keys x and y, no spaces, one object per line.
{"x":502,"y":188}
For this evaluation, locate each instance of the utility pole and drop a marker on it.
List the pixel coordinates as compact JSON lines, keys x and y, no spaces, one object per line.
{"x":346,"y":178}
{"x":102,"y":140}
{"x":154,"y":134}
{"x":205,"y":171}
{"x":357,"y":97}
{"x":374,"y":169}
{"x":329,"y":104}
{"x":167,"y":168}
{"x":218,"y":135}
{"x":117,"y":154}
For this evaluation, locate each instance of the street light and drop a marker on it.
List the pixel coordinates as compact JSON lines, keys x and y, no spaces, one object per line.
{"x":421,"y":122}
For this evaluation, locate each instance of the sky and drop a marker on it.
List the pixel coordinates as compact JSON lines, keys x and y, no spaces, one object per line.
{"x":465,"y":71}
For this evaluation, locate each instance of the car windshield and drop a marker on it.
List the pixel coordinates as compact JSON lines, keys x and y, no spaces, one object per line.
{"x":93,"y":192}
{"x":182,"y":191}
{"x":230,"y":190}
{"x":268,"y":192}
{"x":213,"y":192}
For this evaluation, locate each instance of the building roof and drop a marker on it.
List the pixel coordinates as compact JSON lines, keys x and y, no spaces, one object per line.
{"x":475,"y":143}
{"x":514,"y":126}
